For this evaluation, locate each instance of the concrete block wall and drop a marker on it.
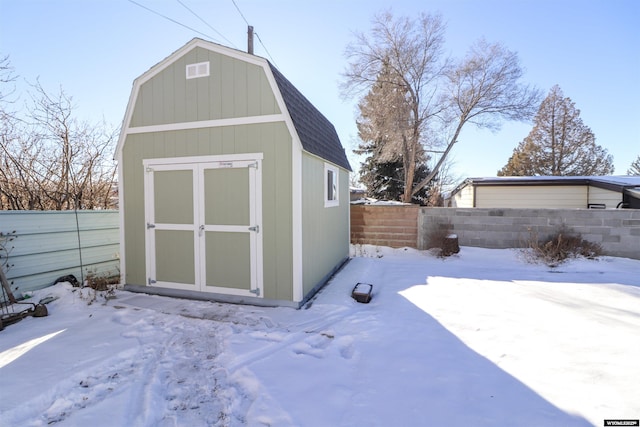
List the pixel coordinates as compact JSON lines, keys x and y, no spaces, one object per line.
{"x":385,"y":225}
{"x":616,"y":230}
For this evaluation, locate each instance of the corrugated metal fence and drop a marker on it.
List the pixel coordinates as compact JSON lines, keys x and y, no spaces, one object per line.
{"x":48,"y":246}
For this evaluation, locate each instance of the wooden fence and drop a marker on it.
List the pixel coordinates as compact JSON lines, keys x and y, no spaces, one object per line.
{"x":51,"y":244}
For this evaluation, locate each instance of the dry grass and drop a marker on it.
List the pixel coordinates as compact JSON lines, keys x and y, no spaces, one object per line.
{"x":560,"y":246}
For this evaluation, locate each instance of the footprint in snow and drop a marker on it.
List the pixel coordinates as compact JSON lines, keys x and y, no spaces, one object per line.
{"x":314,"y":345}
{"x":345,"y":346}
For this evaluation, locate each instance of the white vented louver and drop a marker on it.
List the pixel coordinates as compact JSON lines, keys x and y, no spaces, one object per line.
{"x":201,"y":69}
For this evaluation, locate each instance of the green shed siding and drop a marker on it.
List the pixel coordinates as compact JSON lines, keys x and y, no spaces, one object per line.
{"x":325,"y":233}
{"x":242,"y":106}
{"x":272,"y":139}
{"x":234,"y":88}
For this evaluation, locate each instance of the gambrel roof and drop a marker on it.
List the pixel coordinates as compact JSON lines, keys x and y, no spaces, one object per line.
{"x":317,"y":135}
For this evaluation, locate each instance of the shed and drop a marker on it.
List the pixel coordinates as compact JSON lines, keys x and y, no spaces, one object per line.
{"x":232,"y":185}
{"x":559,"y":192}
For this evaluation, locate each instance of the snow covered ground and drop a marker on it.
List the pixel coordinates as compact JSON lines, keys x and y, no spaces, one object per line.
{"x":479,"y":339}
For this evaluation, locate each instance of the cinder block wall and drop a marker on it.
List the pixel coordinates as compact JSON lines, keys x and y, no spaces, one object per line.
{"x":385,"y":225}
{"x":616,"y":230}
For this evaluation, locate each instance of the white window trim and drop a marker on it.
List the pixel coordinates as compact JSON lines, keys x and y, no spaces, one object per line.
{"x":200,"y":69}
{"x":335,"y":202}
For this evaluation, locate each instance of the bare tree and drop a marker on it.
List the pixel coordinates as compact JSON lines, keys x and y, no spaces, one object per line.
{"x":483,"y":89}
{"x":383,"y":126}
{"x":52,"y":161}
{"x":7,"y":77}
{"x":410,"y":53}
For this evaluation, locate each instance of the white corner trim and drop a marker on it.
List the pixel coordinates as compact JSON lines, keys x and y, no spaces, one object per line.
{"x":123,"y":258}
{"x":296,"y":222}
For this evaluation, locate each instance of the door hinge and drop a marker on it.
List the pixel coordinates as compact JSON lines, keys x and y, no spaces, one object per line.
{"x":255,"y":228}
{"x":149,"y":169}
{"x":149,"y":225}
{"x":255,"y":291}
{"x":253,"y":165}
{"x":150,"y":281}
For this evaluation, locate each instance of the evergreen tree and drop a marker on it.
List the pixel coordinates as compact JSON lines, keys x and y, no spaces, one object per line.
{"x":382,"y":127}
{"x":635,"y":167}
{"x":559,"y":144}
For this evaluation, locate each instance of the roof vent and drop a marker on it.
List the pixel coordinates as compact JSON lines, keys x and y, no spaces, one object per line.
{"x":201,"y":69}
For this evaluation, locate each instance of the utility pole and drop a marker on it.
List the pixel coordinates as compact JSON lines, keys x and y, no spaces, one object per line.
{"x":250,"y":39}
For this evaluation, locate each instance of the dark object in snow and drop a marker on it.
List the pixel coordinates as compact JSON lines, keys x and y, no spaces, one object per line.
{"x":450,"y":245}
{"x":8,"y":304}
{"x":69,"y":278}
{"x":48,"y":299}
{"x":362,"y":292}
{"x":9,"y":318}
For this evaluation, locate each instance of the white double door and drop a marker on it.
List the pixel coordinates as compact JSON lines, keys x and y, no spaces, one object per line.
{"x":203,"y":223}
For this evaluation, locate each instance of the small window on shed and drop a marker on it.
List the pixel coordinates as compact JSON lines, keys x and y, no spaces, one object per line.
{"x":200,"y":69}
{"x":330,"y":186}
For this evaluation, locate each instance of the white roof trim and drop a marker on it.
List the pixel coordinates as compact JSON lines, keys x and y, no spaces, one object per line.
{"x":162,"y":65}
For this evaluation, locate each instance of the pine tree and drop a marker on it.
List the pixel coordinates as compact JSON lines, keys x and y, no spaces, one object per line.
{"x":520,"y":162}
{"x":559,"y":144}
{"x":634,"y":169}
{"x":382,"y":127}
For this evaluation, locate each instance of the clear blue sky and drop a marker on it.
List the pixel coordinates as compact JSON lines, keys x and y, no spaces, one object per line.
{"x":94,"y":49}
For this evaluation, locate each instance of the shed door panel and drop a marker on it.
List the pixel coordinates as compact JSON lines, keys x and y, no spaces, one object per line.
{"x":171,"y":226}
{"x":173,"y":206}
{"x":175,"y":257}
{"x":173,"y":196}
{"x":230,"y":222}
{"x":226,"y":195}
{"x":203,"y":225}
{"x":228,"y":264}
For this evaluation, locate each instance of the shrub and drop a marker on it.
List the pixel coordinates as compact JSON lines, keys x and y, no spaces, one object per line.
{"x":561,"y":245}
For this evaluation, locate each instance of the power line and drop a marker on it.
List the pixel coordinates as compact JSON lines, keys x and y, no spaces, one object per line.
{"x":266,"y":50}
{"x":240,"y":12}
{"x":206,"y":23}
{"x":171,"y":19}
{"x":256,"y":34}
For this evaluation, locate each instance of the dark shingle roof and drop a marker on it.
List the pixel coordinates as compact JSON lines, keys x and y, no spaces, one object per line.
{"x":317,"y":135}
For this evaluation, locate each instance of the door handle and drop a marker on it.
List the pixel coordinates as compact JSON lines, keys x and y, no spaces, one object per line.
{"x":201,"y":230}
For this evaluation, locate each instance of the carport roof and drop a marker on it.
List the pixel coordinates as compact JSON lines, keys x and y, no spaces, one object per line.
{"x":614,"y":183}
